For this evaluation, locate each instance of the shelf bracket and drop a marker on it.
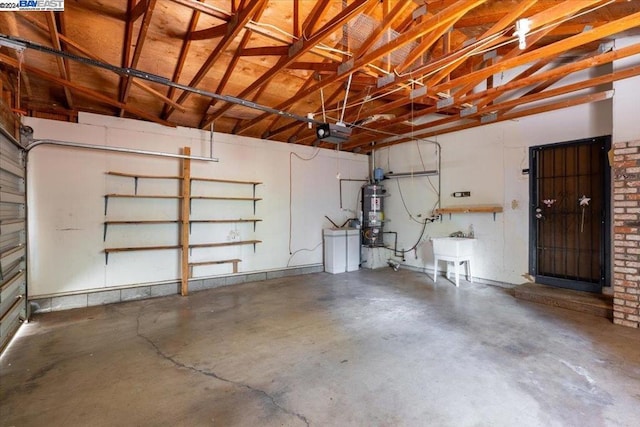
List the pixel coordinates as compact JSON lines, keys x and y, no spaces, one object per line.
{"x":106,"y":202}
{"x":106,"y":258}
{"x":135,"y":185}
{"x":104,"y":233}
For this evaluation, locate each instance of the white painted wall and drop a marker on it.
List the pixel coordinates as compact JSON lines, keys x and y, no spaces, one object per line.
{"x":488,"y":162}
{"x":626,"y":101}
{"x":66,"y":191}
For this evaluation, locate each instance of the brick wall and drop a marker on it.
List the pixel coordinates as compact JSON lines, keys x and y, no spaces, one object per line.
{"x":626,"y":217}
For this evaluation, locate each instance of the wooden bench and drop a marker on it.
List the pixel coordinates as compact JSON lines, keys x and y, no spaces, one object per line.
{"x":220,"y":261}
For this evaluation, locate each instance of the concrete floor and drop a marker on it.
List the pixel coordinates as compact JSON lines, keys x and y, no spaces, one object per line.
{"x":369,"y":348}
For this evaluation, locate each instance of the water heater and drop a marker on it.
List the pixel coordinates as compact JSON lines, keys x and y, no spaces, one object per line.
{"x":372,"y":214}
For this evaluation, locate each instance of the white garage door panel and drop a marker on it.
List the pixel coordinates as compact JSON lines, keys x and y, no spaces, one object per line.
{"x":13,"y":283}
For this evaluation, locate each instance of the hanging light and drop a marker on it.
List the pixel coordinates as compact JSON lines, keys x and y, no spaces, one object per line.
{"x":523,"y":26}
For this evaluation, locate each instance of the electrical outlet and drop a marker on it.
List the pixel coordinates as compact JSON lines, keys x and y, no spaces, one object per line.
{"x":462,"y":194}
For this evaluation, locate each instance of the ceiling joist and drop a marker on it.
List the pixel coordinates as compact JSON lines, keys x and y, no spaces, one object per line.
{"x":402,"y":59}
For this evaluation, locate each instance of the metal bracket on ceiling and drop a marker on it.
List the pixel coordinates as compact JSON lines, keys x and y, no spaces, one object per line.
{"x":422,"y":10}
{"x":385,"y":80}
{"x":345,"y":66}
{"x":469,"y":111}
{"x":443,"y":103}
{"x":488,"y":118}
{"x":419,"y":92}
{"x":490,"y":55}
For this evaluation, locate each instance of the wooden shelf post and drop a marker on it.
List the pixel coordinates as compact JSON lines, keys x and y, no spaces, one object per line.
{"x":184,"y":217}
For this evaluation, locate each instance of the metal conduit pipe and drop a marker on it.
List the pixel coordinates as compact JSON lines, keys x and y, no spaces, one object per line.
{"x":39,"y":142}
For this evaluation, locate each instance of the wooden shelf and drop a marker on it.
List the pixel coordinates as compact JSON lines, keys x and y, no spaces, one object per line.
{"x":253,"y":199}
{"x":226,"y":181}
{"x":185,"y":180}
{"x":108,"y":251}
{"x":492,"y":209}
{"x":143,"y":196}
{"x":216,"y":245}
{"x":131,"y":175}
{"x":146,"y":221}
{"x":216,"y":262}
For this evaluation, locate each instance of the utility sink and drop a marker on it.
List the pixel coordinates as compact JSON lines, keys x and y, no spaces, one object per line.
{"x":456,"y":250}
{"x":453,"y":246}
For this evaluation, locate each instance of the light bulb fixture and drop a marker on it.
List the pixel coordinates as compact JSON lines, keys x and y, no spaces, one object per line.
{"x":523,"y":26}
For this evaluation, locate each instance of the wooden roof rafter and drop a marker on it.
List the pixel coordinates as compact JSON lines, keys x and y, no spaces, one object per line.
{"x":84,"y":90}
{"x":296,"y":50}
{"x":515,"y":84}
{"x":312,"y":19}
{"x":233,"y":64}
{"x":147,"y":6}
{"x":63,"y":66}
{"x":234,"y":27}
{"x":584,"y":99}
{"x":430,"y":24}
{"x":80,"y":49}
{"x":126,"y":44}
{"x":182,"y":57}
{"x":522,"y":80}
{"x":206,"y":9}
{"x":511,"y":58}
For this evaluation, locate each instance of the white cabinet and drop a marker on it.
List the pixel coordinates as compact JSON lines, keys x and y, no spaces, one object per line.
{"x":341,"y":250}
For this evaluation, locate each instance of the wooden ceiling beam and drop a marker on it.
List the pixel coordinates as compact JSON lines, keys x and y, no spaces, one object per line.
{"x":126,"y":44}
{"x":265,"y":51}
{"x":206,"y":9}
{"x":138,"y":10}
{"x":559,"y":105}
{"x":296,"y":19}
{"x":524,"y":79}
{"x":235,"y":26}
{"x":94,"y":95}
{"x":429,"y":25}
{"x":142,"y":36}
{"x":319,"y":9}
{"x":62,"y":66}
{"x":254,"y":27}
{"x":432,"y":38}
{"x":562,"y":11}
{"x":62,"y":30}
{"x":73,"y":45}
{"x":386,"y":23}
{"x":284,"y":128}
{"x":246,"y":38}
{"x":513,"y":53}
{"x":297,"y":50}
{"x":537,"y":89}
{"x":556,"y":48}
{"x":208,"y":33}
{"x":182,"y":57}
{"x":273,"y":123}
{"x":331,"y":67}
{"x":457,"y":58}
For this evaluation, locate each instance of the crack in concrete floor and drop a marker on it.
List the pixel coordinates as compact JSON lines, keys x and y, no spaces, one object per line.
{"x":216,"y":376}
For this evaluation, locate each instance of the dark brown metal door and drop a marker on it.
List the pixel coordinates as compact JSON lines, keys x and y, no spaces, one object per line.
{"x":569,"y":214}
